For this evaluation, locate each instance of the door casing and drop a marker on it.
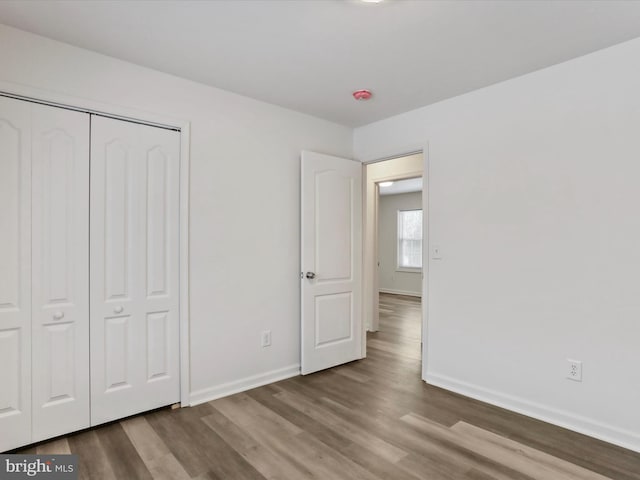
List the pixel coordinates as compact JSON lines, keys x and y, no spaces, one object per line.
{"x":403,"y":170}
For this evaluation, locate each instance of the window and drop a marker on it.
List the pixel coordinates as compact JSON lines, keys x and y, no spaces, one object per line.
{"x":410,"y":239}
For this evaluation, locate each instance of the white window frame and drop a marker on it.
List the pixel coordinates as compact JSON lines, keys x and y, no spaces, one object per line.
{"x":401,"y":268}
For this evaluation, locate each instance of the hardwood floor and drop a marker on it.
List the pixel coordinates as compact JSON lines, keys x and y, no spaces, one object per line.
{"x":371,"y":419}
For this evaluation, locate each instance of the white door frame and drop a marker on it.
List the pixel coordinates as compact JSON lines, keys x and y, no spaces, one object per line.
{"x":23,"y":92}
{"x":370,"y":242}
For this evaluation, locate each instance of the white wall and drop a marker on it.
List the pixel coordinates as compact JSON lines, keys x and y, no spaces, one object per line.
{"x":244,"y":200}
{"x":391,"y":279}
{"x":534,"y":198}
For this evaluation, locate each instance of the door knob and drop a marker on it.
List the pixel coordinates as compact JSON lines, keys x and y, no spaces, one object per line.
{"x":58,"y":315}
{"x":311,"y":275}
{"x":118,"y":309}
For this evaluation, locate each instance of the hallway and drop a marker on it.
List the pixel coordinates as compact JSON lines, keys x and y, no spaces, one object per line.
{"x":400,"y":326}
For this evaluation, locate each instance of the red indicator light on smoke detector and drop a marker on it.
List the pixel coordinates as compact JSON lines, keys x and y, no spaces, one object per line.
{"x":362,"y":94}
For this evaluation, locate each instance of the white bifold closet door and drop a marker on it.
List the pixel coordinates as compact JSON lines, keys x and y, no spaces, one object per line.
{"x":134,"y":268}
{"x":60,"y":271}
{"x":44,"y":272}
{"x":15,"y":273}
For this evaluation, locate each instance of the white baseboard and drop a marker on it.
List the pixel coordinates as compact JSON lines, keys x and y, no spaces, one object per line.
{"x":400,"y":292}
{"x":237,"y":386}
{"x":564,"y":419}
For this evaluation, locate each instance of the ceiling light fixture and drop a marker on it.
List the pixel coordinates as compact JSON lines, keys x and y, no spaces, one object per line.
{"x":362,"y":94}
{"x":385,"y":184}
{"x":371,"y":1}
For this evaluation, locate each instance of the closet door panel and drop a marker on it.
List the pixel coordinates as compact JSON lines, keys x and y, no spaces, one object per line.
{"x":60,"y":299}
{"x":15,"y":273}
{"x":134,"y":268}
{"x":114,"y":222}
{"x":119,"y":220}
{"x":161,"y":282}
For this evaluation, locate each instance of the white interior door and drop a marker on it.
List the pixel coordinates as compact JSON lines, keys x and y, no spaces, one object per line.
{"x":331,"y":196}
{"x":15,"y":273}
{"x":60,"y":277}
{"x":134,"y":268}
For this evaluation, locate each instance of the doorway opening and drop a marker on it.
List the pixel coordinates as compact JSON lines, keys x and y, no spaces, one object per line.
{"x":394,"y":257}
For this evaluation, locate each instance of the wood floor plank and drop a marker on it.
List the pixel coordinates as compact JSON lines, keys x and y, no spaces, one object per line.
{"x":474,"y":474}
{"x":524,"y":458}
{"x":147,"y":442}
{"x":252,"y":411}
{"x":93,"y":463}
{"x":433,"y":450}
{"x":123,"y":456}
{"x":366,"y":439}
{"x":261,"y":458}
{"x":379,"y":466}
{"x":179,"y":442}
{"x":266,"y":396}
{"x":167,"y":467}
{"x":221,"y":458}
{"x":570,"y":446}
{"x":209,"y":475}
{"x":59,"y":446}
{"x":535,"y":465}
{"x":351,"y":374}
{"x":278,"y":436}
{"x":153,"y":451}
{"x":288,"y":441}
{"x":360,"y":455}
{"x":331,"y":463}
{"x":435,"y":467}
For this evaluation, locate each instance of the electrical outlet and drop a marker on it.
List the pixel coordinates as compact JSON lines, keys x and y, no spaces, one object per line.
{"x":265,"y":338}
{"x":575,"y":370}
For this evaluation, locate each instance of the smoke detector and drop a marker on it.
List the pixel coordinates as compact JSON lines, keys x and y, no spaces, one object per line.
{"x":362,"y":94}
